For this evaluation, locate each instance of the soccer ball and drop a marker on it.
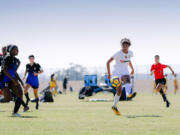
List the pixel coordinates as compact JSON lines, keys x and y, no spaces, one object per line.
{"x":115,"y":81}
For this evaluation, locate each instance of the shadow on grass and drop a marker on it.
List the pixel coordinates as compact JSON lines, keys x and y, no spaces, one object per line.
{"x":143,"y":116}
{"x":25,"y":117}
{"x":3,"y":111}
{"x":96,"y":100}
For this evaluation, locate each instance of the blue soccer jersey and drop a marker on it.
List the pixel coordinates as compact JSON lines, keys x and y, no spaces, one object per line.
{"x":33,"y":80}
{"x":12,"y":64}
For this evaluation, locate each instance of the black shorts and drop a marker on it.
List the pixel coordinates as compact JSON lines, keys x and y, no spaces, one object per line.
{"x":161,"y":81}
{"x":64,"y":86}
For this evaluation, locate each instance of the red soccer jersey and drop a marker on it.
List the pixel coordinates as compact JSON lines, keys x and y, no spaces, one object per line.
{"x":158,"y":70}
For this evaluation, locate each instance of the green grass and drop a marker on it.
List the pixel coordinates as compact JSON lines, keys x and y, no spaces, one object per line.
{"x":146,"y":115}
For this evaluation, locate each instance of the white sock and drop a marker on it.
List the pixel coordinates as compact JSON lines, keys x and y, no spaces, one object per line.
{"x":116,"y":100}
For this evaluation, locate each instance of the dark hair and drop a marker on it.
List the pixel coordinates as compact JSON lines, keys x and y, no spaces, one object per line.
{"x":4,"y":48}
{"x":126,"y":43}
{"x":31,"y":56}
{"x":157,"y":56}
{"x":11,"y":47}
{"x":52,"y":75}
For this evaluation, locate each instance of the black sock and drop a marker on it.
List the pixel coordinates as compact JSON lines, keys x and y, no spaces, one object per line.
{"x":27,"y":96}
{"x":23,"y":103}
{"x":37,"y":103}
{"x":163,"y":96}
{"x":17,"y":105}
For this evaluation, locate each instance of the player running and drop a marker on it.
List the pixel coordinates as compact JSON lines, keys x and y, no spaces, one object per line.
{"x":175,"y":84}
{"x":11,"y":80}
{"x":122,"y":61}
{"x":4,"y":52}
{"x":158,"y":70}
{"x":33,"y":69}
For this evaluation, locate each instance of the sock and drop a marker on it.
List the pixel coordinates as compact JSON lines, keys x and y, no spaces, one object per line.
{"x":17,"y":105}
{"x":23,"y":103}
{"x":116,"y":100}
{"x":27,"y":96}
{"x":37,"y":103}
{"x":163,"y":95}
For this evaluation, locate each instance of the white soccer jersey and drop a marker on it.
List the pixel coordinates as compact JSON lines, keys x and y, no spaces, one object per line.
{"x":121,"y":63}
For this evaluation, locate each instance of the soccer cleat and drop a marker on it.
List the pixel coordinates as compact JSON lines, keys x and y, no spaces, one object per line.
{"x":131,"y":96}
{"x":16,"y":115}
{"x":115,"y":110}
{"x":167,"y":104}
{"x":26,"y":109}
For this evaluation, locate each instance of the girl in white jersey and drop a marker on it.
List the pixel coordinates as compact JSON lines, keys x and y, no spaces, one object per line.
{"x":122,"y":61}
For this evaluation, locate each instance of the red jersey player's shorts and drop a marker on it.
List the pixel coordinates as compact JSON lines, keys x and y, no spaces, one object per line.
{"x":158,"y":70}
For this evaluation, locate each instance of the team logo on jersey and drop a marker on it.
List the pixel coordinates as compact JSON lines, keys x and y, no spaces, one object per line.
{"x":126,"y":56}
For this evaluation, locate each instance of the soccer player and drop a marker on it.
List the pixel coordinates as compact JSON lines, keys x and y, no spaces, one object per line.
{"x":166,"y":85}
{"x":154,"y":87}
{"x":175,"y":84}
{"x":158,"y":70}
{"x":65,"y":82}
{"x":4,"y":52}
{"x":11,"y":80}
{"x":53,"y":85}
{"x":122,"y":61}
{"x":33,"y":69}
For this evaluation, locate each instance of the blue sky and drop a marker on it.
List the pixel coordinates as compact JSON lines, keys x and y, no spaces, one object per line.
{"x":88,"y":32}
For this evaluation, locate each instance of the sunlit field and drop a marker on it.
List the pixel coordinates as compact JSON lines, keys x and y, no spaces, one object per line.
{"x":146,"y":115}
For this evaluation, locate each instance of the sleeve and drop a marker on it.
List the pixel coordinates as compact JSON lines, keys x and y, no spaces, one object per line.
{"x":152,"y":68}
{"x":164,"y":66}
{"x":39,"y":68}
{"x":27,"y":68}
{"x":7,"y":61}
{"x":115,"y":55}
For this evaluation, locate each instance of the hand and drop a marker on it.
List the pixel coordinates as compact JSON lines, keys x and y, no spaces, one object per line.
{"x":173,"y":73}
{"x":152,"y":73}
{"x":35,"y":74}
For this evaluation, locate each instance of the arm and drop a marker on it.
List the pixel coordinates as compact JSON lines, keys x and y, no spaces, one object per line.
{"x":108,"y":67}
{"x":40,"y":70}
{"x":25,"y":74}
{"x":152,"y":72}
{"x":170,"y":69}
{"x":17,"y":76}
{"x":132,"y":68}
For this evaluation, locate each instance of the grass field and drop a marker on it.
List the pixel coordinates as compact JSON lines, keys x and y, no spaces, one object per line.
{"x":146,"y":115}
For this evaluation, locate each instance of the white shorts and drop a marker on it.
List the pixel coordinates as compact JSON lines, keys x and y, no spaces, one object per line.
{"x":120,"y":75}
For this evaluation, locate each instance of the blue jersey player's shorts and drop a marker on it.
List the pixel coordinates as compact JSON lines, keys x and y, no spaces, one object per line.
{"x":33,"y":82}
